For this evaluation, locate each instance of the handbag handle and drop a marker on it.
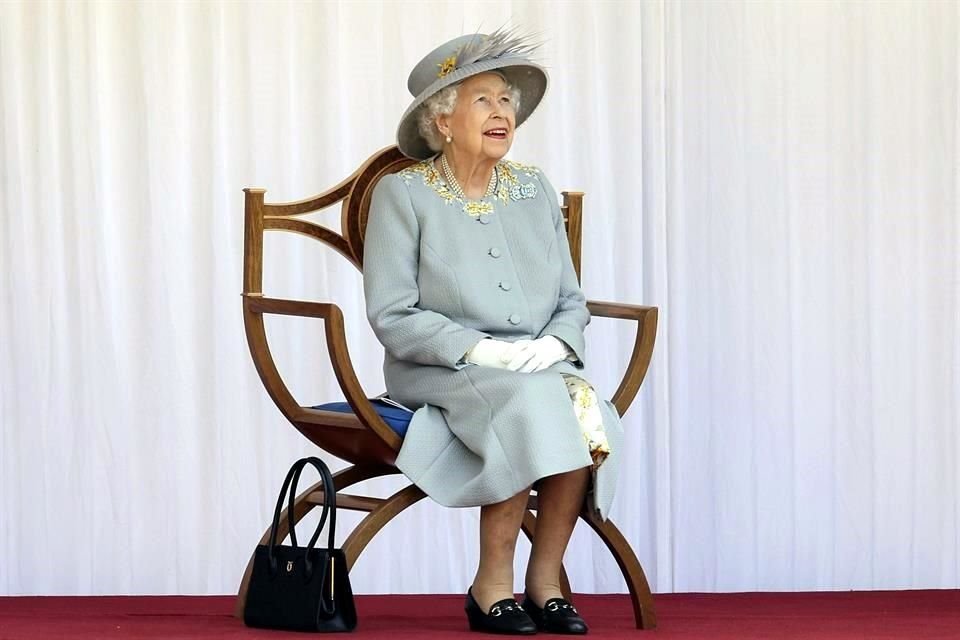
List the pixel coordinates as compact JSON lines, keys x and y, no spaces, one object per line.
{"x":329,"y":503}
{"x":329,"y":506}
{"x":276,"y":515}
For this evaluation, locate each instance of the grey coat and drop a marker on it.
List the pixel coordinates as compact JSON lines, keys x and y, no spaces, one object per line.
{"x":438,"y":279}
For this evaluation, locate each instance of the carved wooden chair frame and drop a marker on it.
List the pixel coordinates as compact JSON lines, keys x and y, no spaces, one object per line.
{"x":363,"y":438}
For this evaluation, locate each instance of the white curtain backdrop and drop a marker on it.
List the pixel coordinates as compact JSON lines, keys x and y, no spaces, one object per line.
{"x":781,"y":178}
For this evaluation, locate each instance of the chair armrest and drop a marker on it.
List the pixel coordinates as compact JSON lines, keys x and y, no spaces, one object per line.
{"x":336,"y":347}
{"x":646,"y":318}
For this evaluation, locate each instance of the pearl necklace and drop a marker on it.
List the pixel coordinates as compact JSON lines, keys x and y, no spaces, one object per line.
{"x":455,"y":186}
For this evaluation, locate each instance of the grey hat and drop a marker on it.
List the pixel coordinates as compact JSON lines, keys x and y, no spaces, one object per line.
{"x":452,"y":62}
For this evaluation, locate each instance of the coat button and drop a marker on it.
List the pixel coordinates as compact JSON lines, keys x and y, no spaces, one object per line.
{"x":483,"y":219}
{"x":505,"y":285}
{"x":514,"y":318}
{"x":494,"y":252}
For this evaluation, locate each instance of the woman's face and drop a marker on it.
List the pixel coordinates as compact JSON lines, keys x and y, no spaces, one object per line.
{"x":483,"y":119}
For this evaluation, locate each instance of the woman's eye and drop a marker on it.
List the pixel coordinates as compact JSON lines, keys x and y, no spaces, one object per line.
{"x":505,"y":100}
{"x":482,"y":99}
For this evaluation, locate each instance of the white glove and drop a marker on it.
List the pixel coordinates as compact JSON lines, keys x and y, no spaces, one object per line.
{"x":489,"y":353}
{"x":536,"y":355}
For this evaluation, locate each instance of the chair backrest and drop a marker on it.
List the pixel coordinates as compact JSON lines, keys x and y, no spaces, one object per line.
{"x":365,"y":438}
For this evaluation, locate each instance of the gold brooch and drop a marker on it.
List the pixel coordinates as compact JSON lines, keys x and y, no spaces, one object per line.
{"x":447,"y":66}
{"x":475,"y":209}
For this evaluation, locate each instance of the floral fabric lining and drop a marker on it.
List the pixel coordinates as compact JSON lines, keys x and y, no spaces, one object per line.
{"x":587,"y":407}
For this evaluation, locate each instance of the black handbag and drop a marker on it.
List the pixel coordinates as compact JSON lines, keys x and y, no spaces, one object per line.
{"x":301,"y":588}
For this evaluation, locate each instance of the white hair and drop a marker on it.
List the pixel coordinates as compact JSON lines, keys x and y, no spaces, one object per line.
{"x":442,"y":103}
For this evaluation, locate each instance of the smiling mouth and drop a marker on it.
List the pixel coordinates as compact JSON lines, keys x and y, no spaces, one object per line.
{"x":496,"y":134}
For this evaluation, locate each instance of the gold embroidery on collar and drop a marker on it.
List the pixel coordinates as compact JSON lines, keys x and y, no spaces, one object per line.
{"x":509,"y":181}
{"x":526,"y":169}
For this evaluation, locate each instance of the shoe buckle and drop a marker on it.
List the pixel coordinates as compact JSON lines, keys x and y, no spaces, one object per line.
{"x":553,"y":607}
{"x":495,"y":611}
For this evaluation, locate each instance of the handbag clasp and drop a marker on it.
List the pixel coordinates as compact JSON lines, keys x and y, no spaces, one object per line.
{"x":289,"y":566}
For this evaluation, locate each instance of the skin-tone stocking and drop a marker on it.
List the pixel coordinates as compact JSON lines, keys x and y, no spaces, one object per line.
{"x":560,"y":499}
{"x":499,"y":526}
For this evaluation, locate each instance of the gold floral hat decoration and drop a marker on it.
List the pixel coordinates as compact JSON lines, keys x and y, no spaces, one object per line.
{"x":505,"y":51}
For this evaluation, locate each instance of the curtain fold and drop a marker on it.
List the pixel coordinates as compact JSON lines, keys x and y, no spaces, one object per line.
{"x":782,"y":179}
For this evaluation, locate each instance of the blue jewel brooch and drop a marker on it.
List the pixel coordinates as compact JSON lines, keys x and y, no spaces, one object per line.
{"x":523,"y":191}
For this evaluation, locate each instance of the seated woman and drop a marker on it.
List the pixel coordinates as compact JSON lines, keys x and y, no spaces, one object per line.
{"x":470,"y":287}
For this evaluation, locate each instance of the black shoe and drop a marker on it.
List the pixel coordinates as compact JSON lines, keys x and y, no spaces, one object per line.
{"x":557,"y":616}
{"x":505,"y":616}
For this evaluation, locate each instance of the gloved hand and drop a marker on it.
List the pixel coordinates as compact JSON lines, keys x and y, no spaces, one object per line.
{"x":528,"y":356}
{"x":489,"y":352}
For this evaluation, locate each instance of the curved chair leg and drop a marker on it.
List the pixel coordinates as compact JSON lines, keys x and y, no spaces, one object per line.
{"x":363,"y":533}
{"x":626,"y":559}
{"x":301,"y":507}
{"x":529,"y":528}
{"x":353,"y":475}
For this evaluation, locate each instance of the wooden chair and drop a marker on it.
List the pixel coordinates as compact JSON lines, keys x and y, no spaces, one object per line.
{"x":363,"y":438}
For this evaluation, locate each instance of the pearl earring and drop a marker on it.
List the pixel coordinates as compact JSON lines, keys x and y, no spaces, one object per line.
{"x":449,"y":139}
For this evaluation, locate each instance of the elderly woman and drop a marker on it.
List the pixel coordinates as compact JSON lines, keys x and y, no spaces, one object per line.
{"x":470,"y":287}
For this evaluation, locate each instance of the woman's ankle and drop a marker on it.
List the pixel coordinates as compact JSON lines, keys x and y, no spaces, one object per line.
{"x":487,"y":593}
{"x":539,"y":591}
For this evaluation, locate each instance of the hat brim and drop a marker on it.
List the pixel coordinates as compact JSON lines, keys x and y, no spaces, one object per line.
{"x":530,"y":78}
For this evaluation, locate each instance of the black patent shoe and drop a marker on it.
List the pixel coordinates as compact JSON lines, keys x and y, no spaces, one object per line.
{"x":557,"y":616}
{"x":505,"y":616}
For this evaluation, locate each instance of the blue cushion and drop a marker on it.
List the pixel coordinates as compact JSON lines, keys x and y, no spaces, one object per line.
{"x":397,"y":418}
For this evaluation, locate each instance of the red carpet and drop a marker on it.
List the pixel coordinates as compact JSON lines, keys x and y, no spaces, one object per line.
{"x":845,"y":615}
